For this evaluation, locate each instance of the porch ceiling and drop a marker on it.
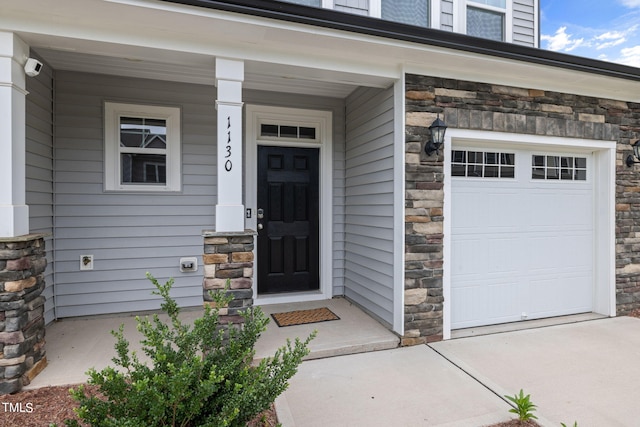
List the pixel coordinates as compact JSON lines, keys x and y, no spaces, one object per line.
{"x":185,"y":67}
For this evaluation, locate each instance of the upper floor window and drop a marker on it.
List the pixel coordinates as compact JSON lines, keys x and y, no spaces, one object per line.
{"x":314,"y":3}
{"x":142,"y":147}
{"x":486,"y":18}
{"x":413,"y":12}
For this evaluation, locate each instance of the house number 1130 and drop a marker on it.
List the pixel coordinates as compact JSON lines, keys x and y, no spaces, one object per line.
{"x":228,"y":165}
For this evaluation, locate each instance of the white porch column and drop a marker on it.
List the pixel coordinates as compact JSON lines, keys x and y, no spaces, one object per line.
{"x":14,"y":213}
{"x":229,"y":210}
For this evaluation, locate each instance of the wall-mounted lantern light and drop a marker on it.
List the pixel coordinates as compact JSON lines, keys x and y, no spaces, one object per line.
{"x":437,"y":129}
{"x":636,"y":153}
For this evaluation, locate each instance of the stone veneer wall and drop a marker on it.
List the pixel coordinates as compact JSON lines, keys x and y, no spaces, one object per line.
{"x":22,"y":329}
{"x":488,"y":107}
{"x":229,"y":256}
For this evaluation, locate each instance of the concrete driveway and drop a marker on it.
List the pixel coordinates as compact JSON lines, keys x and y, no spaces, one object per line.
{"x":587,"y":372}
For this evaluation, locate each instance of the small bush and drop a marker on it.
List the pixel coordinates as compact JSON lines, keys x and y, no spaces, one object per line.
{"x":199,"y":376}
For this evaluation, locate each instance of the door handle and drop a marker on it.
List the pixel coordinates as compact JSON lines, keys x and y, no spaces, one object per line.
{"x":260,"y":227}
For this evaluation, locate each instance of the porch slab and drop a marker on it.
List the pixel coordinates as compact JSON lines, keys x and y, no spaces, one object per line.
{"x":355,"y":332}
{"x":76,"y":345}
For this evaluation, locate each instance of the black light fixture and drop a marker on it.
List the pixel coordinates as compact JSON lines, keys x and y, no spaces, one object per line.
{"x":437,"y":130}
{"x":636,"y":152}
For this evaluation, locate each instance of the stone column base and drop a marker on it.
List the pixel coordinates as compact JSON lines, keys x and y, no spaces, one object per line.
{"x":22,"y":329}
{"x":229,"y":257}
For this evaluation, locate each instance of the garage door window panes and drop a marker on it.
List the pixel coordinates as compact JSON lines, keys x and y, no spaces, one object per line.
{"x":480,"y":164}
{"x":564,"y":168}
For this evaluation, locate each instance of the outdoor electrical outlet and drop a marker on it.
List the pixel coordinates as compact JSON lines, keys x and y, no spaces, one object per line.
{"x":86,"y":262}
{"x":188,"y":264}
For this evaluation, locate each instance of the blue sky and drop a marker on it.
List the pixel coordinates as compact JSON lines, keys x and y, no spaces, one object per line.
{"x":601,"y":29}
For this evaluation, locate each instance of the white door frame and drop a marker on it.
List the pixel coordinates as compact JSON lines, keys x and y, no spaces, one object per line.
{"x":604,"y":168}
{"x":322,"y":121}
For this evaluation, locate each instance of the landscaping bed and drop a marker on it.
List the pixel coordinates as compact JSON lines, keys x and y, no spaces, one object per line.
{"x":43,"y":406}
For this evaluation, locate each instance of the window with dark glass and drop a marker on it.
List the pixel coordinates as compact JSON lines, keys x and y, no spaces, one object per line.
{"x":564,"y":168}
{"x":314,"y":3}
{"x":143,"y":150}
{"x":413,"y":12}
{"x":481,"y":164}
{"x":268,"y":130}
{"x":486,"y":19}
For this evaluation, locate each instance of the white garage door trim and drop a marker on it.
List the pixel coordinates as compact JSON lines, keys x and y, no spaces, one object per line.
{"x":603,"y":166}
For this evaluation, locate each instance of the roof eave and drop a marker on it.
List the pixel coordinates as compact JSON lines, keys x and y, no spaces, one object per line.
{"x":327,"y":18}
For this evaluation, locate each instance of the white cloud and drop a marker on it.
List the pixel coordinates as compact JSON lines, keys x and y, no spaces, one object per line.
{"x":613,"y":38}
{"x":630,"y":56}
{"x":607,"y":45}
{"x":609,"y":35}
{"x":630,"y":3}
{"x":562,"y":41}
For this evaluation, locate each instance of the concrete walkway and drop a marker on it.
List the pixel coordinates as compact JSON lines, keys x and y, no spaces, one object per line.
{"x":410,"y":386}
{"x":586,"y":372}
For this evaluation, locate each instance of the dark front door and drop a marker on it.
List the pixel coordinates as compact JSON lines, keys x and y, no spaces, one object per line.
{"x":288,"y":231}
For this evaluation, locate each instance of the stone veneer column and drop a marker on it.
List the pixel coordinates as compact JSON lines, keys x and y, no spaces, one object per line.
{"x":22,"y":328}
{"x":424,"y":255}
{"x":229,"y":255}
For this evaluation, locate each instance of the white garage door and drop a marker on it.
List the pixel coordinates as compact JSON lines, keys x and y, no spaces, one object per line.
{"x":522,"y":235}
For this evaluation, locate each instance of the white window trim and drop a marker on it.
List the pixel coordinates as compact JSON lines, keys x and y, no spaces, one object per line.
{"x":460,"y":18}
{"x":322,"y":120}
{"x":112,"y":167}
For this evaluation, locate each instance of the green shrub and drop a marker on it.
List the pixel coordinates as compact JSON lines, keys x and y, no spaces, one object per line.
{"x":199,"y":375}
{"x":524,"y":407}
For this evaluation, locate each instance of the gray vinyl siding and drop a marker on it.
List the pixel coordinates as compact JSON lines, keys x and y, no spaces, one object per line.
{"x":337,"y":107}
{"x":132,"y":233}
{"x":524,"y":16}
{"x":39,"y":170}
{"x":369,"y":198}
{"x":446,"y":15}
{"x":358,"y":7}
{"x":127,"y":233}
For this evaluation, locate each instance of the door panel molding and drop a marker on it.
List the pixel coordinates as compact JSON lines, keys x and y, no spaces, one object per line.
{"x":257,"y":115}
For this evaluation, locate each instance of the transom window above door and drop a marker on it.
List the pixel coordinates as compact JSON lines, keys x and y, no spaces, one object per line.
{"x":142,"y":147}
{"x":481,"y":164}
{"x":291,"y":132}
